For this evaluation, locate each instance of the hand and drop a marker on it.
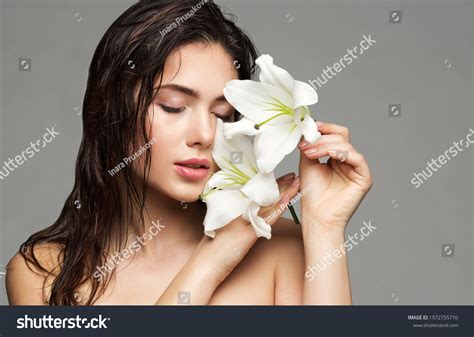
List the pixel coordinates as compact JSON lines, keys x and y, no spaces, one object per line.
{"x":219,"y":256}
{"x":214,"y":259}
{"x":336,"y":188}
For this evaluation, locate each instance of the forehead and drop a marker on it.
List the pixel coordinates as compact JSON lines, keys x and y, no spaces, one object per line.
{"x":203,"y":67}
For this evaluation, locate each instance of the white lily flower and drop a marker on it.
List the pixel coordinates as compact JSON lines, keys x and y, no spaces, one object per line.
{"x":239,"y":188}
{"x":275,"y":111}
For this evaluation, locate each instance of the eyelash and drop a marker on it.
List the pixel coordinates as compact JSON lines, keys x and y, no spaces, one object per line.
{"x":178,"y":110}
{"x":171,"y":110}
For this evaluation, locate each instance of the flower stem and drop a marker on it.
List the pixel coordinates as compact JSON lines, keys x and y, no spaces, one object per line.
{"x":293,"y":214}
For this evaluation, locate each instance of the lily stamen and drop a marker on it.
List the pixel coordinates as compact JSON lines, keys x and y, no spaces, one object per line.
{"x":257,"y":126}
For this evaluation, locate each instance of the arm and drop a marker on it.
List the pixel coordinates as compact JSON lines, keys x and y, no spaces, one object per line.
{"x":213,"y":260}
{"x":333,"y":192}
{"x":193,"y":278}
{"x":295,"y":284}
{"x":210,"y":264}
{"x":326,"y":279}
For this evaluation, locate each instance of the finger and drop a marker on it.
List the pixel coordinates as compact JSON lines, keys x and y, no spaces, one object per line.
{"x":357,"y":161}
{"x":343,"y":152}
{"x":289,"y":191}
{"x":272,"y":213}
{"x":324,"y":139}
{"x":320,"y":151}
{"x":285,"y":179}
{"x":329,"y":128}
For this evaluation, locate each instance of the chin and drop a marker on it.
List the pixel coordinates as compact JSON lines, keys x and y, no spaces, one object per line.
{"x":177,"y":188}
{"x":187,"y":192}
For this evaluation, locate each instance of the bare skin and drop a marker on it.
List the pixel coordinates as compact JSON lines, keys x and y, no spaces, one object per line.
{"x":234,"y":267}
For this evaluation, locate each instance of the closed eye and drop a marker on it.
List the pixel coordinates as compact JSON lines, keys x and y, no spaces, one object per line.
{"x":226,"y":114}
{"x":171,"y":109}
{"x":226,"y":118}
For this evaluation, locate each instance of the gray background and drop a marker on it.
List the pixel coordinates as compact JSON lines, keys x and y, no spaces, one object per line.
{"x":399,"y":263}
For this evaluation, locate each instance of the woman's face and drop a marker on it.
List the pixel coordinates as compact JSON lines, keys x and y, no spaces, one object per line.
{"x":183,"y":119}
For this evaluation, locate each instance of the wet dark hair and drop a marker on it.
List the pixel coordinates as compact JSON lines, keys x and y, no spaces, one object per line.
{"x":130,"y":55}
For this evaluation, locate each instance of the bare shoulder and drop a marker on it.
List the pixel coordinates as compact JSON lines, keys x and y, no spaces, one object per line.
{"x":25,"y":282}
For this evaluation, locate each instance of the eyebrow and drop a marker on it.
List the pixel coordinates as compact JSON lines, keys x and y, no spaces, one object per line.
{"x":188,"y":91}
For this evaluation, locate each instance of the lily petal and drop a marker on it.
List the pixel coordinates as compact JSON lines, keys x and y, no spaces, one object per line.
{"x":255,"y":100}
{"x":262,"y":229}
{"x":244,"y":127}
{"x":218,"y":179}
{"x":219,"y":214}
{"x":274,"y":144}
{"x":262,"y":189}
{"x":274,"y":75}
{"x":304,"y":94}
{"x":239,"y":145}
{"x":310,"y":129}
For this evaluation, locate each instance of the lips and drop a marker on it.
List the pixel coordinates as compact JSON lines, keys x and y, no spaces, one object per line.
{"x":195,"y":163}
{"x":193,"y":168}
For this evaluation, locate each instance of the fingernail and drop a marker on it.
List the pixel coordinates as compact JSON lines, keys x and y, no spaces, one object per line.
{"x":288,"y":177}
{"x":304,"y":144}
{"x":311,"y":151}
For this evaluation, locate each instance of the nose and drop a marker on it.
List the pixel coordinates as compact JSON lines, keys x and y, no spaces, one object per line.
{"x":201,"y":129}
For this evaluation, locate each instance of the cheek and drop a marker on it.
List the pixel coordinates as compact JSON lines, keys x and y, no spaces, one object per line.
{"x":166,"y":138}
{"x":161,"y":154}
{"x":170,"y":134}
{"x":164,"y":141}
{"x":165,"y":126}
{"x":169,"y":141}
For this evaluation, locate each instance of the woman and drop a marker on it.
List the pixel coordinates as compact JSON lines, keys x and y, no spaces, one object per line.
{"x":131,"y":230}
